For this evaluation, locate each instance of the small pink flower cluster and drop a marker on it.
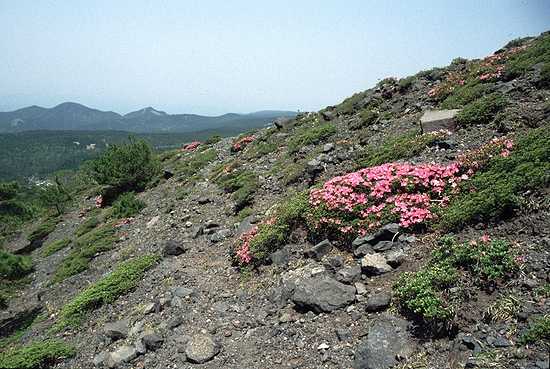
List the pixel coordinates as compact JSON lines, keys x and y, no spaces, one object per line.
{"x":191,"y":146}
{"x":403,"y":190}
{"x":99,"y":201}
{"x":242,"y":143}
{"x":243,"y":250}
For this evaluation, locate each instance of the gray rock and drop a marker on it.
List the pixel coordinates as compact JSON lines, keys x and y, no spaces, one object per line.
{"x":363,"y":250}
{"x":220,"y":235}
{"x":173,"y":248}
{"x":175,"y":322}
{"x":328,"y":115}
{"x":349,"y":274}
{"x":360,"y":287}
{"x":384,"y":246}
{"x":385,"y":233}
{"x":318,"y":251}
{"x":197,"y":231}
{"x":395,"y":257}
{"x":343,"y":334}
{"x":328,"y":147}
{"x":281,"y":257}
{"x":183,"y":292}
{"x":498,"y":341}
{"x":100,"y":358}
{"x":378,"y":302}
{"x":201,"y":348}
{"x":434,"y":120}
{"x":322,"y":294}
{"x":152,"y":341}
{"x":203,"y":200}
{"x":123,"y":354}
{"x":314,"y":166}
{"x":116,"y":330}
{"x":282,"y":122}
{"x":387,"y":341}
{"x":18,"y":314}
{"x":375,"y":264}
{"x":246,"y":224}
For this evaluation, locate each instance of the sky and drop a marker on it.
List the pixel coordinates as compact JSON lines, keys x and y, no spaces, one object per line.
{"x":212,"y":57}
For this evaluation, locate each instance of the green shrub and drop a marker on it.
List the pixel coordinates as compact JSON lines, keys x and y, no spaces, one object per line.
{"x":537,"y":52}
{"x":463,"y":95}
{"x":271,"y":237}
{"x":242,"y":185}
{"x":190,"y":166}
{"x":422,"y":293}
{"x":350,"y":104}
{"x":260,"y":148}
{"x":127,"y":167}
{"x":489,"y":261}
{"x":86,"y":247}
{"x":127,"y":205}
{"x":43,"y":230}
{"x":367,"y":117}
{"x":292,"y":172}
{"x":14,"y":266}
{"x":124,"y":278}
{"x":87,"y":226}
{"x":544,"y":80}
{"x":53,"y":247}
{"x":406,"y":83}
{"x":482,"y":110}
{"x":36,"y":355}
{"x":55,"y":195}
{"x":8,"y":190}
{"x":310,"y":135}
{"x":213,"y":139}
{"x":395,"y":148}
{"x":538,"y":331}
{"x":494,"y":191}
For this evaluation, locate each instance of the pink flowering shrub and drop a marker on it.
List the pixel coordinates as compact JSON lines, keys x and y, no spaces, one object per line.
{"x":360,"y":201}
{"x":191,"y":146}
{"x":243,"y":249}
{"x":476,"y":159}
{"x":241,"y":143}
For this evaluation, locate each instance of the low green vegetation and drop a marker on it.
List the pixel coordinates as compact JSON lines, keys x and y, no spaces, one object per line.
{"x":190,"y":166}
{"x":539,"y":331}
{"x":36,"y":355}
{"x":463,"y":95}
{"x":213,"y":139}
{"x":54,"y":246}
{"x":260,"y":148}
{"x":242,"y":184}
{"x":427,"y":294}
{"x":349,"y":105}
{"x":367,"y":117}
{"x":43,"y":230}
{"x":86,"y":247}
{"x":495,"y":191}
{"x":127,"y":167}
{"x":127,"y":205}
{"x":310,"y":135}
{"x":87,"y":226}
{"x":406,"y":83}
{"x":523,"y":61}
{"x":397,"y":147}
{"x":124,"y":278}
{"x":273,"y":235}
{"x":14,"y":266}
{"x":482,"y":110}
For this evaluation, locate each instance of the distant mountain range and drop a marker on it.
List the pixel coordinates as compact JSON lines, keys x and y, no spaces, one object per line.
{"x":74,"y":116}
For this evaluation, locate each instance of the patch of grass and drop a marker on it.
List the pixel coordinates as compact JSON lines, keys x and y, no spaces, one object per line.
{"x":349,"y":105}
{"x":245,"y":212}
{"x":423,"y":293}
{"x":213,"y":139}
{"x":272,"y":236}
{"x":543,"y":291}
{"x":36,"y":355}
{"x":86,"y":247}
{"x":463,"y":95}
{"x":406,"y":83}
{"x":124,"y":278}
{"x":191,"y":165}
{"x":87,"y":226}
{"x":310,"y":135}
{"x":538,"y":331}
{"x":43,"y":230}
{"x":10,"y":288}
{"x":260,"y":148}
{"x":367,"y":117}
{"x":426,"y":293}
{"x":537,"y":52}
{"x":241,"y":184}
{"x":395,"y":148}
{"x":292,"y":172}
{"x":53,"y":247}
{"x":496,"y":190}
{"x":127,"y":205}
{"x":482,"y":110}
{"x":14,"y":266}
{"x":503,"y":310}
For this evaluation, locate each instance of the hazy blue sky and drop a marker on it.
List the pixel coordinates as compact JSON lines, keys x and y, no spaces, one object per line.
{"x":212,"y":57}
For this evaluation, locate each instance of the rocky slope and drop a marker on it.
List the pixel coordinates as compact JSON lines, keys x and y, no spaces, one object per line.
{"x":313,"y":303}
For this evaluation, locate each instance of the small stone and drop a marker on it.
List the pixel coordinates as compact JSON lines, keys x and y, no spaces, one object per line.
{"x":328,"y":147}
{"x":101,"y":358}
{"x":116,"y":330}
{"x":349,"y":274}
{"x":152,"y":341}
{"x":149,"y":308}
{"x":280,"y":257}
{"x":173,"y":248}
{"x":203,"y":200}
{"x":319,"y":250}
{"x":378,"y":302}
{"x":201,"y":348}
{"x":395,"y":257}
{"x":183,"y":292}
{"x":175,"y":322}
{"x":188,"y":224}
{"x":363,"y":250}
{"x":323,"y":346}
{"x":198,"y":231}
{"x":361,"y":288}
{"x":322,"y":294}
{"x":343,"y":334}
{"x":153,"y":221}
{"x":384,"y":246}
{"x":123,"y":354}
{"x":375,"y":264}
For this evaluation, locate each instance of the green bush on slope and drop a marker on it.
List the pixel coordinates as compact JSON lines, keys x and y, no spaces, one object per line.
{"x":36,"y":355}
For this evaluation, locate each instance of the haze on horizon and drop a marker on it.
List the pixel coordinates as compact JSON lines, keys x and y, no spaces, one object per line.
{"x":213,"y":57}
